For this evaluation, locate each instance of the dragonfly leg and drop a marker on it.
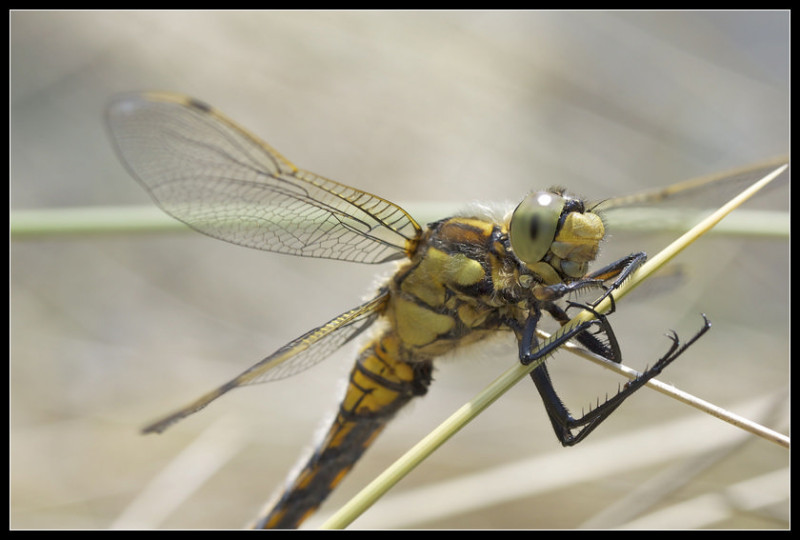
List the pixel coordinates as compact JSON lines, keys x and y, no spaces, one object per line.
{"x":608,"y":348}
{"x":528,"y":343}
{"x":561,"y":419}
{"x":618,"y":270}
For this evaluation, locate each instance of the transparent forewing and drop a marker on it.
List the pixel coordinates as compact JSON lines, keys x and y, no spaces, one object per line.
{"x":298,"y":355}
{"x":203,"y":169}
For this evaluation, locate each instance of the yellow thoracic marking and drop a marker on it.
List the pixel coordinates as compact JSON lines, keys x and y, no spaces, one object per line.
{"x":427,"y":280}
{"x":418,"y":325}
{"x":467,"y":230}
{"x":463,"y":270}
{"x":424,"y":281}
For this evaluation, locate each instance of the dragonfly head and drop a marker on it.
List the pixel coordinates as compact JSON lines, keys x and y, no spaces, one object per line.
{"x":553,"y":234}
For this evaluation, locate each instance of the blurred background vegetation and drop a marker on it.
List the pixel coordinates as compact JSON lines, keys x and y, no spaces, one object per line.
{"x":109,"y":332}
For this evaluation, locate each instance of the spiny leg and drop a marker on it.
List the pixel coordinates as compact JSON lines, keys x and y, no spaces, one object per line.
{"x":528,"y":343}
{"x":618,"y":270}
{"x":610,"y":349}
{"x":560,"y":417}
{"x":595,"y":417}
{"x":562,"y":421}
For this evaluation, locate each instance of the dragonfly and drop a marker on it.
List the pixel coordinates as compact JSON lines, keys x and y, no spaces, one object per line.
{"x":459,"y":280}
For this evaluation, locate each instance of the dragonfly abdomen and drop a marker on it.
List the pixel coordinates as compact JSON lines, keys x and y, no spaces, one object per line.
{"x":381,"y":382}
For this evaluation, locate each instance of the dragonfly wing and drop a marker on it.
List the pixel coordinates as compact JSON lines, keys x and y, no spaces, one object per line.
{"x":294,"y":357}
{"x":703,"y":192}
{"x":206,"y":171}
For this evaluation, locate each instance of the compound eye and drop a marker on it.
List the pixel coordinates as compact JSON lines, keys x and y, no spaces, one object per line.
{"x":533,"y":225}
